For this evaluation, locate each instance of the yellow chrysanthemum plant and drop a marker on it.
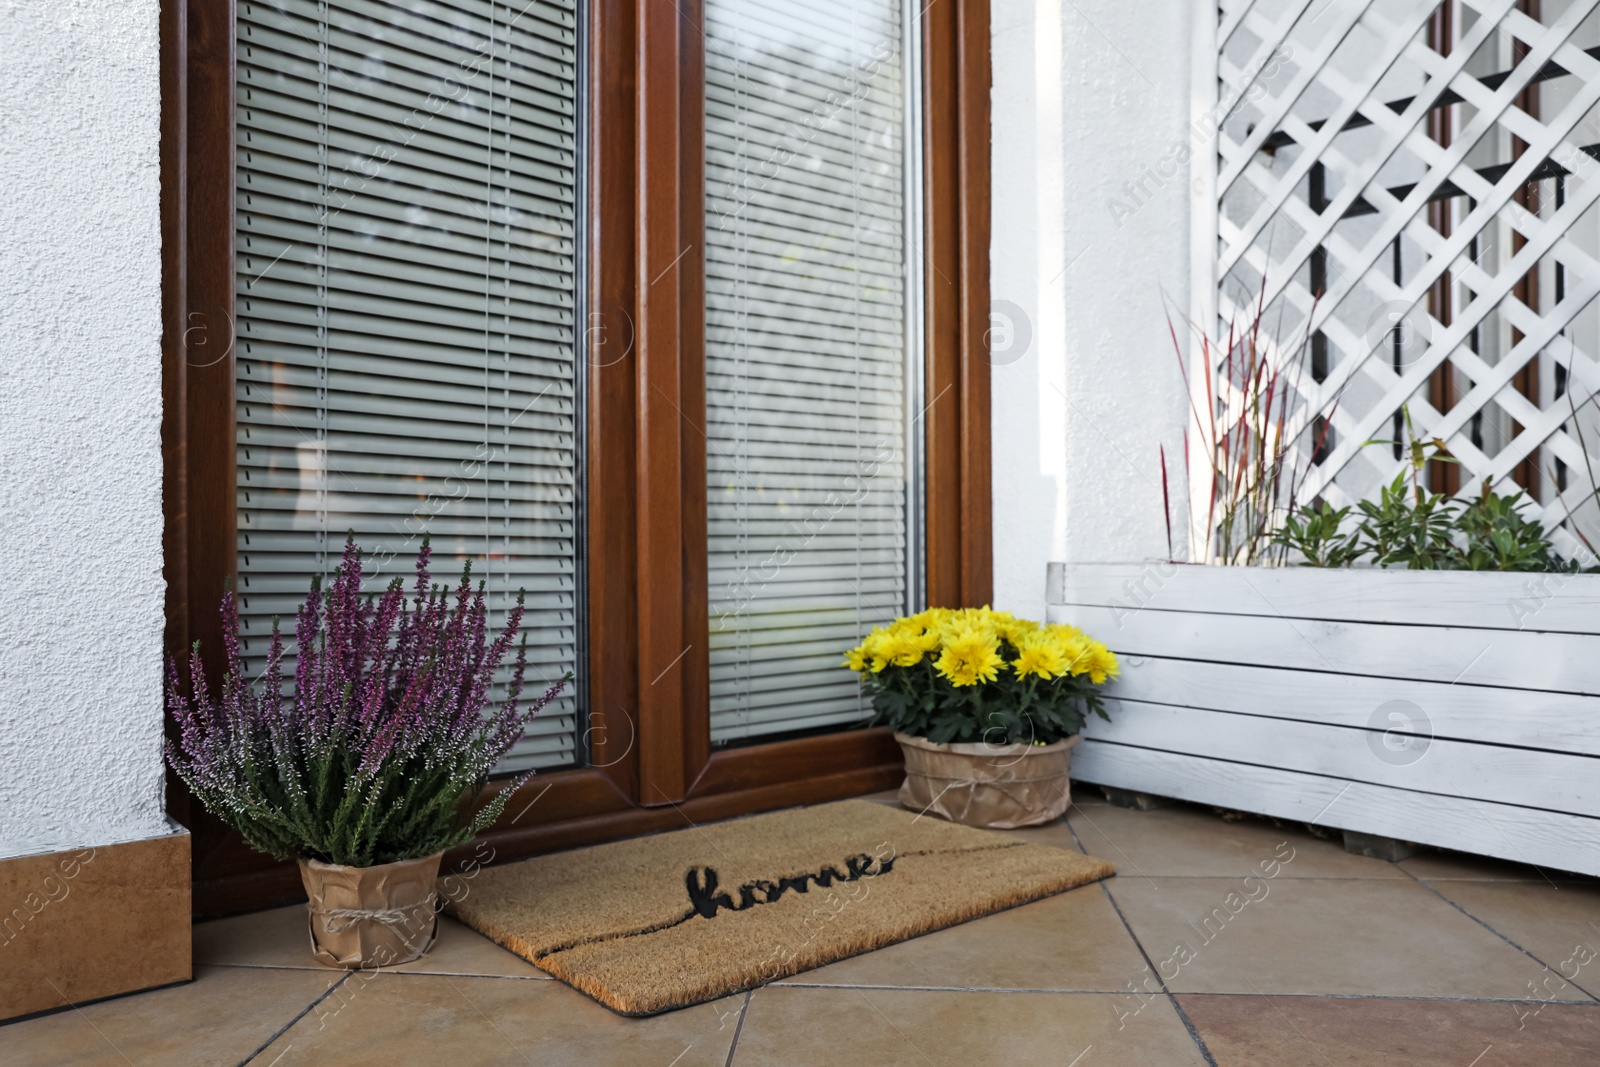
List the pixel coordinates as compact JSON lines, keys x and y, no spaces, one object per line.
{"x":972,"y":674}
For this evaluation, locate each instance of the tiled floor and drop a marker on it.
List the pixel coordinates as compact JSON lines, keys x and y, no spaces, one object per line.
{"x":1319,"y":958}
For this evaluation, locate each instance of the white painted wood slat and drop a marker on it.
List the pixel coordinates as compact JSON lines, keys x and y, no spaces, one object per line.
{"x":1394,"y":710}
{"x":1558,"y":722}
{"x":1556,"y":663}
{"x":1552,"y":603}
{"x":1523,"y":835}
{"x":1553,"y":781}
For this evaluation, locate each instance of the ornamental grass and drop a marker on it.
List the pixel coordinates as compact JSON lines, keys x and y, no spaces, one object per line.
{"x":376,"y":750}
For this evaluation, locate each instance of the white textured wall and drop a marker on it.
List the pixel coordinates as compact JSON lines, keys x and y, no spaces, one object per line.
{"x":80,"y":408}
{"x":1089,"y":96}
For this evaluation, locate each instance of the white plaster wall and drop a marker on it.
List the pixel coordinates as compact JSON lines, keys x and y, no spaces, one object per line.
{"x":1089,"y":95}
{"x":80,"y":408}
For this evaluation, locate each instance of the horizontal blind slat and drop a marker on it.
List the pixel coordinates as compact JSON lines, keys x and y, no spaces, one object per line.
{"x":405,"y":353}
{"x":806,"y":362}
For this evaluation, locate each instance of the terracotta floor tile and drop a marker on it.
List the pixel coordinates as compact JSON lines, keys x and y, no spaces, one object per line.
{"x":278,"y":938}
{"x":1057,"y":834}
{"x":1440,"y":865}
{"x":1345,"y":961}
{"x":800,"y":1027}
{"x":220,"y":1018}
{"x":1188,"y":842}
{"x":399,"y":1020}
{"x":1069,"y":942}
{"x":1363,"y":936}
{"x":1252,"y":1031}
{"x":1558,"y":923}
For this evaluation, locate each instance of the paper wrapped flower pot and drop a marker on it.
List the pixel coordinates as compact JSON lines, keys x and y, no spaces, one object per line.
{"x":996,"y":787}
{"x":372,"y":916}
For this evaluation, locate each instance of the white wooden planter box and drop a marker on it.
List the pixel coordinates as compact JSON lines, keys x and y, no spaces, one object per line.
{"x":1453,"y":709}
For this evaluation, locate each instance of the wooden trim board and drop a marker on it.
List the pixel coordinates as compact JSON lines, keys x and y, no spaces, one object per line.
{"x":90,"y":923}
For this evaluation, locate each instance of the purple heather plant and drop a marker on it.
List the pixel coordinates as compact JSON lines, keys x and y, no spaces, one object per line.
{"x":372,"y":754}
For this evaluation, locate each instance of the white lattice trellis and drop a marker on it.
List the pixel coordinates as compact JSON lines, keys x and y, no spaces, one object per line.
{"x":1431,"y":171}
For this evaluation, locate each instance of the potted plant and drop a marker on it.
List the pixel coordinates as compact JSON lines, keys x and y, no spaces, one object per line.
{"x":362,"y":768}
{"x":1351,"y":644}
{"x":986,"y":707}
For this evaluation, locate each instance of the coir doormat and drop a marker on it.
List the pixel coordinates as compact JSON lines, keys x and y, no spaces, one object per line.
{"x":662,"y":922}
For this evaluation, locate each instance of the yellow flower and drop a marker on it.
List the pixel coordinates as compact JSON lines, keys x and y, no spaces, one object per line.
{"x":1074,"y":650}
{"x":1018,"y":630}
{"x":901,"y":648}
{"x":1038,"y":655}
{"x":965,"y":644}
{"x":969,"y":657}
{"x":964,"y":620}
{"x":873,"y":651}
{"x":1102,"y":663}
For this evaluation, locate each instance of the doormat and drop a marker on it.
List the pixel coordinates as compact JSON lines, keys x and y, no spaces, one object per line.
{"x":663,"y":922}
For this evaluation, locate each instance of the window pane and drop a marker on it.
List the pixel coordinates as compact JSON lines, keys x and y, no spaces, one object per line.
{"x":405,"y":366}
{"x":808,"y":300}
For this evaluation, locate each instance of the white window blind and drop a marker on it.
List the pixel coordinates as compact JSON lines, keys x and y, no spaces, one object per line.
{"x":810,"y":516}
{"x":406,"y":176}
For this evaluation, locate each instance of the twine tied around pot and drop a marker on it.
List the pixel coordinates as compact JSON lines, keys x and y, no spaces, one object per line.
{"x":1000,"y":787}
{"x":377,"y":916}
{"x":337,"y":920}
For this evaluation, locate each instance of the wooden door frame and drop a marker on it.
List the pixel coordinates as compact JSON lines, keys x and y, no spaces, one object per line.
{"x":653,"y":767}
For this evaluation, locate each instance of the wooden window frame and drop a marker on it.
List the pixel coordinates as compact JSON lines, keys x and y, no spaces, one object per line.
{"x":653,"y":767}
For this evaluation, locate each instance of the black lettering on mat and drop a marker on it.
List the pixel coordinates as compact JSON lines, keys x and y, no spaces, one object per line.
{"x":707,"y":899}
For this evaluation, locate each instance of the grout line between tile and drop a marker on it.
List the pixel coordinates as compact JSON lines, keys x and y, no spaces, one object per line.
{"x":1188,"y":1023}
{"x":1315,"y":1047}
{"x":1281,"y":877}
{"x":71,"y":1006}
{"x":1401,"y":996}
{"x":947,"y":989}
{"x":326,"y":993}
{"x":1559,"y":883}
{"x":1079,"y":841}
{"x":1570,"y":981}
{"x":1189,"y":993}
{"x":738,"y":1028}
{"x":469,"y":974}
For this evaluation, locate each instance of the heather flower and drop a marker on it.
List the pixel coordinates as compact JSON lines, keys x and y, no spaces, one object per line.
{"x":375,"y":751}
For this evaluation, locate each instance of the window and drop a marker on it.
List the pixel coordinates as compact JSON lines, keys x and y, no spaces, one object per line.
{"x":423,"y":201}
{"x":406,"y":246}
{"x":812,"y":368}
